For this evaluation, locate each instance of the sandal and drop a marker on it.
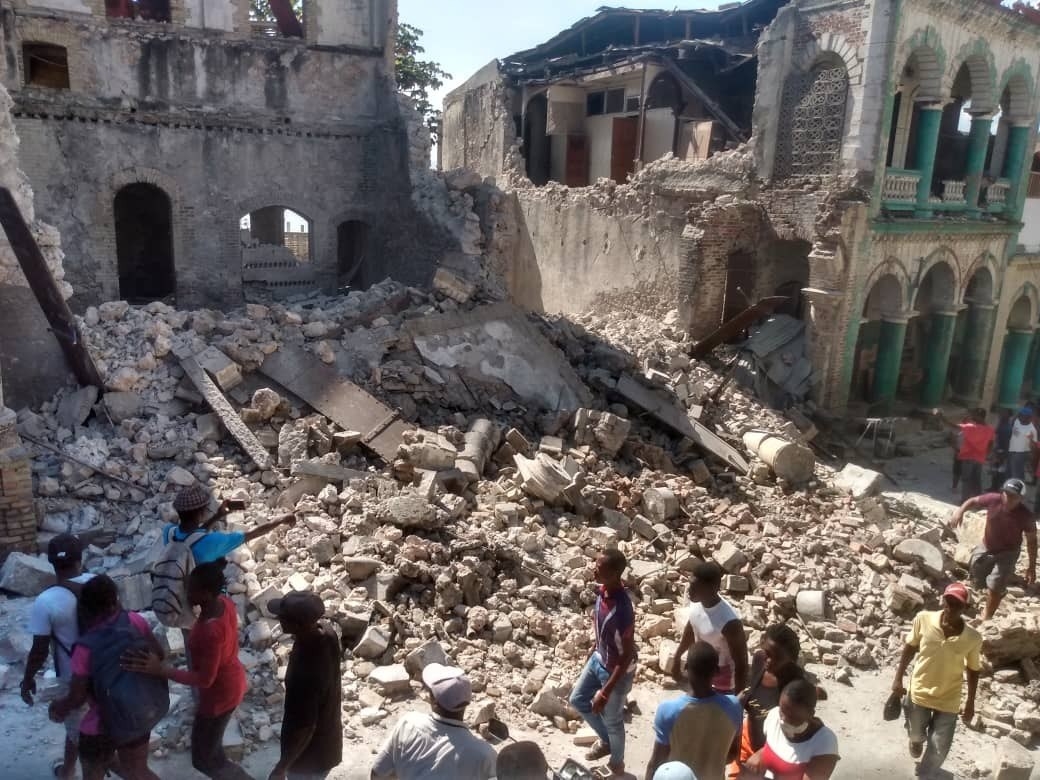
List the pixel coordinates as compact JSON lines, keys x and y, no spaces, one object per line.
{"x":600,"y":750}
{"x":58,"y":768}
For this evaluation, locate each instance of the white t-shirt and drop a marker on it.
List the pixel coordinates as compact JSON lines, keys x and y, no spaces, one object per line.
{"x":823,"y":743}
{"x":1022,"y":436}
{"x":707,"y":624}
{"x":53,"y":614}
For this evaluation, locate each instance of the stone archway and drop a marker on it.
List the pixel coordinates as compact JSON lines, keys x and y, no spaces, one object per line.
{"x":972,"y":339}
{"x":144,"y":243}
{"x":1018,"y":340}
{"x":879,"y":343}
{"x":926,"y":352}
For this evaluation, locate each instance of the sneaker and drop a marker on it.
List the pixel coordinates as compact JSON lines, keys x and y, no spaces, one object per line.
{"x":916,"y":749}
{"x":600,"y":750}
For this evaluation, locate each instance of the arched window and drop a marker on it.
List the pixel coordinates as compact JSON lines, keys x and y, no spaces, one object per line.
{"x":144,"y":243}
{"x":812,"y":120}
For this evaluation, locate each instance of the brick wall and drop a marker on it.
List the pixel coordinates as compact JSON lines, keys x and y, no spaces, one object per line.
{"x":17,"y":515}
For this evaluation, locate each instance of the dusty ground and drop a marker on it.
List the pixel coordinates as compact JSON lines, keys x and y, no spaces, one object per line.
{"x":871,"y":748}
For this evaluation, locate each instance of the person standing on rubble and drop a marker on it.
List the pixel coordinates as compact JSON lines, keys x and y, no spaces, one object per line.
{"x":216,"y":673}
{"x":312,"y":721}
{"x":601,"y":690}
{"x":54,"y":625}
{"x":998,"y":468}
{"x":947,"y":651}
{"x":1021,"y":443}
{"x":993,"y":562}
{"x":714,"y":620}
{"x":192,"y":507}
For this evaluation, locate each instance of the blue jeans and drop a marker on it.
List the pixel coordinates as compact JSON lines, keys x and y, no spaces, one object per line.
{"x":609,"y":725}
{"x":1016,"y":462}
{"x":933,"y":728}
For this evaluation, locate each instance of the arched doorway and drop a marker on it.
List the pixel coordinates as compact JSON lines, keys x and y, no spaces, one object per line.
{"x":740,"y":284}
{"x":926,"y":354}
{"x":537,"y":151}
{"x":352,"y":239}
{"x":785,"y":264}
{"x":144,"y":243}
{"x":1017,"y":342}
{"x":879,"y":344}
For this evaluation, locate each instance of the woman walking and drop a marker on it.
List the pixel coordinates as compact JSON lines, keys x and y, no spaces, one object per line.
{"x":215,"y":671}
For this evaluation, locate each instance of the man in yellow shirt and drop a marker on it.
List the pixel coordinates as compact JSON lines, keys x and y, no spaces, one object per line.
{"x":947,"y":650}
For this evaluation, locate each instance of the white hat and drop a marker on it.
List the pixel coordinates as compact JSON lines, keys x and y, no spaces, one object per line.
{"x":449,"y":686}
{"x":674,"y":770}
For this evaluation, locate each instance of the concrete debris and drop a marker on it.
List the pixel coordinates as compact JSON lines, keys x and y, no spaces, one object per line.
{"x":1012,"y":762}
{"x":444,"y":515}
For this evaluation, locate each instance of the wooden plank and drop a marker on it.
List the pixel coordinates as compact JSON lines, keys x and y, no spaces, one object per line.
{"x":667,"y":411}
{"x":47,"y":292}
{"x":219,"y":404}
{"x":731,"y":328}
{"x":337,"y":398}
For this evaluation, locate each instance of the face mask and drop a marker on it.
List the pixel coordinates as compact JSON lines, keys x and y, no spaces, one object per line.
{"x":792,"y":731}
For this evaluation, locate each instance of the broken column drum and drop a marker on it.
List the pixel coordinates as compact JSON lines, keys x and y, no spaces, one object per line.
{"x":481,"y":440}
{"x":789,"y":461}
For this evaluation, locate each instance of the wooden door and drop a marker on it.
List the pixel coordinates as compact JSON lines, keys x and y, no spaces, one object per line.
{"x":577,"y":164}
{"x":623,"y":147}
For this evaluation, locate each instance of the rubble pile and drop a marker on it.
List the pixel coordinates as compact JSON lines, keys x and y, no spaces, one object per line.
{"x":475,"y":542}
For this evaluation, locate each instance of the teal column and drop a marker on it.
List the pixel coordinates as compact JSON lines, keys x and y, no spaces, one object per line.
{"x":978,"y":143}
{"x":889,"y":357}
{"x":937,"y":361}
{"x":978,"y":336}
{"x":1014,"y":159}
{"x":1034,"y":356}
{"x":1013,"y":368}
{"x":928,"y":122}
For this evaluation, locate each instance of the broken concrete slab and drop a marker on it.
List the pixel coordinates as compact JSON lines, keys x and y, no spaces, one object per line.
{"x":919,"y":551}
{"x":219,"y":404}
{"x":1012,"y":761}
{"x":75,"y":407}
{"x":498,"y":342}
{"x":392,"y":680}
{"x":337,"y":398}
{"x":665,"y":407}
{"x":122,"y":405}
{"x":315,"y":467}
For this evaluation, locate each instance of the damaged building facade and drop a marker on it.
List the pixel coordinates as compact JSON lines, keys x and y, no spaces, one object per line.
{"x":187,"y":152}
{"x":881,"y":191}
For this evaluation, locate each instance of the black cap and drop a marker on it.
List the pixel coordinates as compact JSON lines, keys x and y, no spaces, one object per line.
{"x":1016,"y":486}
{"x":299,"y":605}
{"x":64,"y":548}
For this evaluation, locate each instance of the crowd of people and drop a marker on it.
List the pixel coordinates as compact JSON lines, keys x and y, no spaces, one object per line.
{"x":743,"y":715}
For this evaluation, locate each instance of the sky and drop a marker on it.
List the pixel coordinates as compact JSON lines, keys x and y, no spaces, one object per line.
{"x":465,"y":35}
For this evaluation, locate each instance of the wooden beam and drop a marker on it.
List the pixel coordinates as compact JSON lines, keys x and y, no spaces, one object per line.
{"x":48,"y":294}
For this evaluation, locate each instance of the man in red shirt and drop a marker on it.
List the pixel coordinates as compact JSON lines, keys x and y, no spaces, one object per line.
{"x":1008,"y":519}
{"x":976,"y":442}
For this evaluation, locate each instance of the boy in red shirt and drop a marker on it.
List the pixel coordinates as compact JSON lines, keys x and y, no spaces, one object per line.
{"x":976,"y":442}
{"x":215,"y":671}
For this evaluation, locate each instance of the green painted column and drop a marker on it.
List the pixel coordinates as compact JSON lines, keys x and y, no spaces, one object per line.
{"x":978,"y":143}
{"x":889,"y":356}
{"x":1033,"y":370}
{"x":928,"y":123}
{"x":1012,"y":372}
{"x":978,"y":336}
{"x":1014,"y":159}
{"x":937,"y":361}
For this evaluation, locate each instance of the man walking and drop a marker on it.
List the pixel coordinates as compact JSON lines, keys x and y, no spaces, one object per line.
{"x":947,"y":651}
{"x":312,"y":724}
{"x":600,"y":692}
{"x":54,"y":626}
{"x":702,"y":730}
{"x":713,"y":620}
{"x":1008,"y":519}
{"x":438,"y":746}
{"x":1020,"y":446}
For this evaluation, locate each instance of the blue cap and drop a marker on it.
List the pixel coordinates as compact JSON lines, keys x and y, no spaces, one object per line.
{"x":1025,"y":410}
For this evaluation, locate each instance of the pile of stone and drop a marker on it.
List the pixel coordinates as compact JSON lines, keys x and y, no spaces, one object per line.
{"x":476,"y":542}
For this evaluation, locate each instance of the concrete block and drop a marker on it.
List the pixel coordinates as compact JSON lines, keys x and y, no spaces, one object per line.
{"x":729,"y":557}
{"x":921,"y":552}
{"x":392,"y":680}
{"x":858,"y":481}
{"x":373,"y":643}
{"x":423,"y":656}
{"x":75,"y":407}
{"x":122,"y":405}
{"x":1013,"y":762}
{"x":26,"y":575}
{"x":660,"y":504}
{"x":225,"y":372}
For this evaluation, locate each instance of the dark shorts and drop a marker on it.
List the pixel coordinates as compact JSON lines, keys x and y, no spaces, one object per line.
{"x":99,"y":749}
{"x":994,"y":570}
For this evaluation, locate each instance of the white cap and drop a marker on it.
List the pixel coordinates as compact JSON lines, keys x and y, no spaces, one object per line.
{"x":449,"y":686}
{"x":674,"y":770}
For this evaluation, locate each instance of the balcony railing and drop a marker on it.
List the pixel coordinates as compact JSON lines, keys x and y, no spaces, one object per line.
{"x":953,"y":192}
{"x":900,"y":189}
{"x":997,"y":194}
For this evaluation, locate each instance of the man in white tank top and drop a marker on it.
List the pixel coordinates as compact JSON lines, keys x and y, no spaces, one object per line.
{"x":714,"y":620}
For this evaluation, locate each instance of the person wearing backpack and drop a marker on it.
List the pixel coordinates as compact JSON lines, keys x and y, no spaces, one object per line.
{"x":215,"y":671}
{"x":55,"y":628}
{"x":190,"y":544}
{"x":124,"y":706}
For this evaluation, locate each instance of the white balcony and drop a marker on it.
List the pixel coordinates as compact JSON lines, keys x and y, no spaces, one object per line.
{"x":901,"y":186}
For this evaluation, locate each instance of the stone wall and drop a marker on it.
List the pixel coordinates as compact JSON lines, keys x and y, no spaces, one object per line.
{"x":477,"y":128}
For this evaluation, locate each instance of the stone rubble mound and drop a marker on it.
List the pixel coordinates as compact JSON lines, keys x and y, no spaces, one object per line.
{"x":475,"y":544}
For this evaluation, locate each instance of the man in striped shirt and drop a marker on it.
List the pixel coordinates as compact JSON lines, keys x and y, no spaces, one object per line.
{"x":600,"y":692}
